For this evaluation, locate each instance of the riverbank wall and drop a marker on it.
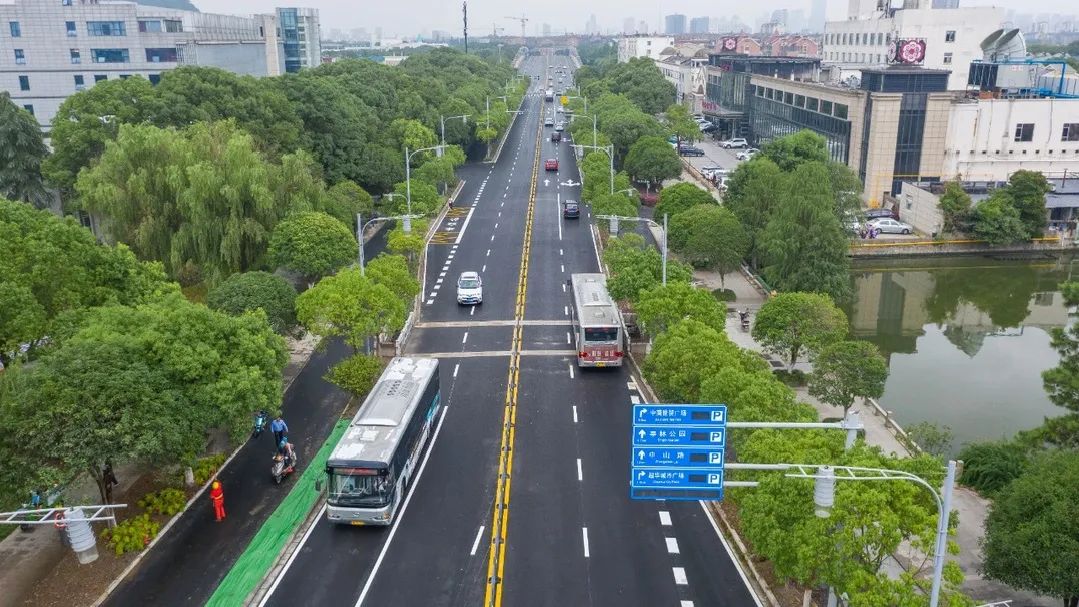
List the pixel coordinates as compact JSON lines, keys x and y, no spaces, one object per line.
{"x":1054,"y":245}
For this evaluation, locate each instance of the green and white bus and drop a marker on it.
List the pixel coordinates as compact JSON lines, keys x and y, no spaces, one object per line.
{"x":372,"y":467}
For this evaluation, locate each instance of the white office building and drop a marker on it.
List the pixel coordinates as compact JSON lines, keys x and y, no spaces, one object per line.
{"x":50,"y":49}
{"x":949,"y":37}
{"x":301,"y":35}
{"x":630,"y":47}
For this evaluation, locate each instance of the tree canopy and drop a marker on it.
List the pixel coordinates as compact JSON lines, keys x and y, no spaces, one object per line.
{"x":50,"y":265}
{"x":794,"y":324}
{"x":1032,"y":532}
{"x":846,"y":370}
{"x":653,"y":160}
{"x":636,"y":267}
{"x":312,"y":244}
{"x":709,"y":236}
{"x":680,"y":198}
{"x":202,"y":201}
{"x":252,"y":291}
{"x":662,"y":306}
{"x":22,"y":150}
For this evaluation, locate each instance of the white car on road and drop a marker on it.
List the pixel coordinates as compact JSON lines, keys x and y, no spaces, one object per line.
{"x":747,"y":154}
{"x":469,"y":288}
{"x":736,"y":142}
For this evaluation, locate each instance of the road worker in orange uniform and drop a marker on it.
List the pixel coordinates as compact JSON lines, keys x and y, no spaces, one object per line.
{"x":217,"y":496}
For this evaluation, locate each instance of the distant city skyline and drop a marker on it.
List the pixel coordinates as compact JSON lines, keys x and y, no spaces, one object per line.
{"x":409,"y":19}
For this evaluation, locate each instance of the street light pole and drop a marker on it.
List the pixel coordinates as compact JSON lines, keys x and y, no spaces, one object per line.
{"x":664,"y":249}
{"x":359,"y":238}
{"x":408,"y":182}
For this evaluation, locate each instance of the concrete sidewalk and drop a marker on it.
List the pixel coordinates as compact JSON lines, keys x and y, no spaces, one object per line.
{"x":972,"y":508}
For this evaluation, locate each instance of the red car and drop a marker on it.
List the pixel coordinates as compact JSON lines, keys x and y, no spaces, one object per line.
{"x":551,"y":164}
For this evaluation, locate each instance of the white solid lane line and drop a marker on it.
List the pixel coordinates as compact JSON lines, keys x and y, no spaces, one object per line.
{"x":456,"y":368}
{"x":476,"y":544}
{"x":680,"y":576}
{"x":401,"y":514}
{"x":580,"y":474}
{"x":584,"y":536}
{"x":672,"y":545}
{"x":664,"y":518}
{"x":295,"y":553}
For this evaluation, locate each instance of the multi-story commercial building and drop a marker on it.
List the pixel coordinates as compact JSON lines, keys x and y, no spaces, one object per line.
{"x":301,"y":35}
{"x":51,"y":49}
{"x":628,"y":25}
{"x":630,"y":47}
{"x":698,"y":25}
{"x":920,"y":34}
{"x":675,"y":24}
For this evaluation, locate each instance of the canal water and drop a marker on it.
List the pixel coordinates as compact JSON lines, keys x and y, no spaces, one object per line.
{"x":966,"y":339}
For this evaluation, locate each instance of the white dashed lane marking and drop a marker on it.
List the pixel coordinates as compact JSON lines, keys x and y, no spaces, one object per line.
{"x":680,"y":576}
{"x":664,"y":518}
{"x":672,"y":545}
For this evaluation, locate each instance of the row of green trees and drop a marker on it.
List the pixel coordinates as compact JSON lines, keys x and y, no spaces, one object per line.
{"x":1013,"y":213}
{"x":106,"y":362}
{"x":793,"y":201}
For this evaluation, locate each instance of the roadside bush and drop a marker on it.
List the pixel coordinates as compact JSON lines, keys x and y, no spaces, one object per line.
{"x":991,"y":466}
{"x":356,"y":374}
{"x":206,"y":467}
{"x":167,"y":501}
{"x":248,"y":291}
{"x":794,"y":378}
{"x":131,"y":535}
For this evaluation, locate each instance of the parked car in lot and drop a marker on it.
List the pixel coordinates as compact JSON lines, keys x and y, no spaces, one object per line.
{"x":890,"y":226}
{"x":747,"y":154}
{"x":571,"y":210}
{"x":707,"y":127}
{"x":735,"y":142}
{"x":469,"y":288}
{"x":551,"y":164}
{"x":881,"y":213}
{"x":688,"y":150}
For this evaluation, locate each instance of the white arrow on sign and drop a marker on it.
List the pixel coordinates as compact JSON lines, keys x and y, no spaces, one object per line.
{"x":642,"y":412}
{"x":640,"y":454}
{"x":641,"y":434}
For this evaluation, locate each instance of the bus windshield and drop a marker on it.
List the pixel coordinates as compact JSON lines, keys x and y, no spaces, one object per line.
{"x":359,"y":487}
{"x":601,"y":334}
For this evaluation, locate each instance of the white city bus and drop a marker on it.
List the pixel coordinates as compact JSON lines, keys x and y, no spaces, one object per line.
{"x":371,"y":468}
{"x":597,"y":324}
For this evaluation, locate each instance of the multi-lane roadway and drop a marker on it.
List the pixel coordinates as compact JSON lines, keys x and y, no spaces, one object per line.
{"x":522,"y":499}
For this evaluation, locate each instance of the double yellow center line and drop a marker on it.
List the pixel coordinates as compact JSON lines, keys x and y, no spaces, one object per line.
{"x":496,"y":559}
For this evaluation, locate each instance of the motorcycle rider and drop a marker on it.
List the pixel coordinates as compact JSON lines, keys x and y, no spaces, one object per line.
{"x":287,"y":452}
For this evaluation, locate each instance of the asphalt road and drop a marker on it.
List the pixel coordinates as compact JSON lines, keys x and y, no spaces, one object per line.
{"x":573,"y":536}
{"x":185,"y":567}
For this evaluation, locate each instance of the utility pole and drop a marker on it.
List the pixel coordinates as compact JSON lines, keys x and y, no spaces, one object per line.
{"x":464,"y":10}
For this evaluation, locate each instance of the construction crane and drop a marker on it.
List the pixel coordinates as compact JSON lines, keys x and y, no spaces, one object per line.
{"x":523,"y":21}
{"x":497,"y":31}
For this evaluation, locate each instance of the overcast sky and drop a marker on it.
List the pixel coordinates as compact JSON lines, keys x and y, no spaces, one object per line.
{"x":410,"y":17}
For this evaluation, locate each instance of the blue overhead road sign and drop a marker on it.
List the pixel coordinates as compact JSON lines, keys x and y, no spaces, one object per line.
{"x":677,"y":452}
{"x":681,"y":415}
{"x":682,"y":457}
{"x":679,"y":435}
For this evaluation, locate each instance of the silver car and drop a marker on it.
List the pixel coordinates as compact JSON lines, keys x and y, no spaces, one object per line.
{"x":890,"y":226}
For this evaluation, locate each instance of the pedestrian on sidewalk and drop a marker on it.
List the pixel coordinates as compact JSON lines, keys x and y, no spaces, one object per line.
{"x":217,"y":497}
{"x":280,"y":428}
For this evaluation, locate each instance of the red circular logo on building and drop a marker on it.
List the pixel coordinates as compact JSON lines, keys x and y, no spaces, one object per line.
{"x":730,"y":44}
{"x":911,"y":51}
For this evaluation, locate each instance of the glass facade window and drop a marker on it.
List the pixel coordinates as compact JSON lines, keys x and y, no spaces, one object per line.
{"x":772,"y":119}
{"x":1071,"y":132}
{"x":161,"y":55}
{"x":947,"y":58}
{"x":788,"y":98}
{"x":71,"y":32}
{"x":150,"y":27}
{"x":29,"y":108}
{"x":949,"y":36}
{"x":909,"y":135}
{"x":24,"y":83}
{"x":20,"y":56}
{"x":80,"y":82}
{"x":110,"y":55}
{"x":825,"y":107}
{"x":155,"y":78}
{"x":16,"y":29}
{"x":106,"y":28}
{"x":1024,"y":131}
{"x":840,"y":111}
{"x":173,"y":26}
{"x":100,"y":77}
{"x":76,"y":56}
{"x":812,"y":103}
{"x":799,"y":101}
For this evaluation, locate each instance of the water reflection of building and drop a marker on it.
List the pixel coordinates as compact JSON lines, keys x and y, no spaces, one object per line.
{"x":890,"y":311}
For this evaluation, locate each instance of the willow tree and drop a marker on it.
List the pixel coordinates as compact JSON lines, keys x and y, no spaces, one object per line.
{"x":202,"y":200}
